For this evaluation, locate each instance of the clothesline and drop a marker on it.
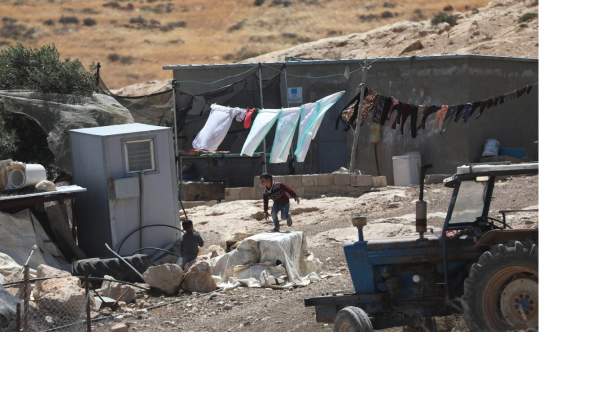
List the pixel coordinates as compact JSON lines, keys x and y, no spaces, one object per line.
{"x":386,"y":110}
{"x":307,"y":118}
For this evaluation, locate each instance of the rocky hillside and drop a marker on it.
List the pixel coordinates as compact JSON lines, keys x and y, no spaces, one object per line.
{"x":133,"y":39}
{"x":503,"y":28}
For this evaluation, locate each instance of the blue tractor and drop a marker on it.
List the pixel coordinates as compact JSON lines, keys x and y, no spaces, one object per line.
{"x":477,"y":265}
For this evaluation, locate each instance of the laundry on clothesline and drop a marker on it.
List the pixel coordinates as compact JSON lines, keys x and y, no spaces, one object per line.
{"x":284,"y":134}
{"x":410,"y":118}
{"x":307,"y":118}
{"x":214,"y":131}
{"x":264,"y":121}
{"x":311,"y":117}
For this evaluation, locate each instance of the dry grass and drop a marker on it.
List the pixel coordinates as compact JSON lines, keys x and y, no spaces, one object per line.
{"x":214,"y":32}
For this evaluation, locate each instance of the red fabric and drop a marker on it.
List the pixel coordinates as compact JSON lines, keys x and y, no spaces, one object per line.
{"x":248,"y":118}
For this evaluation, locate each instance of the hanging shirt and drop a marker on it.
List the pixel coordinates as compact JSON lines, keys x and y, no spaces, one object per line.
{"x":440,"y":116}
{"x":311,"y":117}
{"x":260,"y":128}
{"x":284,"y":134}
{"x":214,"y":131}
{"x":248,"y":118}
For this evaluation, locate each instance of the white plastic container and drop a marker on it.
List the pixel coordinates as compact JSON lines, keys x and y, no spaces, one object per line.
{"x":406,"y":169}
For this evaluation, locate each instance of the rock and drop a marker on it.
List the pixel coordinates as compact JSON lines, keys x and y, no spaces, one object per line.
{"x":9,"y":269}
{"x":198,"y":278}
{"x":119,"y":327}
{"x":215,"y":250}
{"x":117,"y":291}
{"x":61,"y":293}
{"x":232,"y":241}
{"x":417,"y":45}
{"x":312,"y":264}
{"x":167,"y":277}
{"x":45,"y":186}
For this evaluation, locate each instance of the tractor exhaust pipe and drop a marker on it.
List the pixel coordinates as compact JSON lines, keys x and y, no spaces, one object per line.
{"x":421,"y":206}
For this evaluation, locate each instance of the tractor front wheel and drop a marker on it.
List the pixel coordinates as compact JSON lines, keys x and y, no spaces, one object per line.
{"x":352,"y":319}
{"x":501,"y":292}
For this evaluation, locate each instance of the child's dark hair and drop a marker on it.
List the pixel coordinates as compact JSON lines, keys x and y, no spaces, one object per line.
{"x":266,"y":177}
{"x":186,"y":223}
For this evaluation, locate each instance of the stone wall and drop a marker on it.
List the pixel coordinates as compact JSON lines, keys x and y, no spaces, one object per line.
{"x":313,"y":185}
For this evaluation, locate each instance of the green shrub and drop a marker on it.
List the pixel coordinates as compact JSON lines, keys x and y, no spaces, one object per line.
{"x":527,"y":17}
{"x":442,"y":17}
{"x":42,"y":70}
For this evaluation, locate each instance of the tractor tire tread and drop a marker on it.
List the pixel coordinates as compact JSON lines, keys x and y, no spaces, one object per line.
{"x":482,"y":269}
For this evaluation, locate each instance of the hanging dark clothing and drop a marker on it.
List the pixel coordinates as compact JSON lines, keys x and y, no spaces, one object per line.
{"x":381,"y":109}
{"x":426,"y":113}
{"x":459,"y":110}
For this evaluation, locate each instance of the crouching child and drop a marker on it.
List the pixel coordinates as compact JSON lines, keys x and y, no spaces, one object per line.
{"x":190,"y":243}
{"x":280,"y":193}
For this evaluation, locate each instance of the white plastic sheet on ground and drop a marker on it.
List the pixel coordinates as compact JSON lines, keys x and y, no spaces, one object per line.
{"x":266,"y":260}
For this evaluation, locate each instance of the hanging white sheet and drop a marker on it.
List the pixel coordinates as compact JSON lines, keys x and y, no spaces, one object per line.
{"x":284,"y":134}
{"x":214,"y":131}
{"x":311,"y":117}
{"x":260,"y":128}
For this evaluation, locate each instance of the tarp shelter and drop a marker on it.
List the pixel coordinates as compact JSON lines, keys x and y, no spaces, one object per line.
{"x":451,"y":79}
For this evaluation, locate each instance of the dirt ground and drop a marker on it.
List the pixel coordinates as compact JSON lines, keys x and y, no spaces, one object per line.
{"x":326,"y":224}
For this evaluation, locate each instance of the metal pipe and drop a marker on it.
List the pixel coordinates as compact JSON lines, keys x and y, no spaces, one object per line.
{"x":141,"y":207}
{"x":178,"y":167}
{"x":363,"y":81}
{"x":262,"y":105}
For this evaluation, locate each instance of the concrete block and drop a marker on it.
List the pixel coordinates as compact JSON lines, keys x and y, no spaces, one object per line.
{"x":309,"y":180}
{"x":380,"y":181}
{"x":325,"y":180}
{"x":232,"y":194}
{"x":293,"y":181}
{"x":341,"y":179}
{"x":202,"y":191}
{"x":247,"y":193}
{"x":300,"y":191}
{"x":361,"y":180}
{"x":315,"y":191}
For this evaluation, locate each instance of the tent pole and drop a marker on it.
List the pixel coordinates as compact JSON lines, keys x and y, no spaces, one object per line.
{"x":363,"y":83}
{"x":262,"y":105}
{"x":178,"y":166}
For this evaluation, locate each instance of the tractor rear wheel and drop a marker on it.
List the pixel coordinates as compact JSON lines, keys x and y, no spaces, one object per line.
{"x":352,"y":319}
{"x":501,"y":292}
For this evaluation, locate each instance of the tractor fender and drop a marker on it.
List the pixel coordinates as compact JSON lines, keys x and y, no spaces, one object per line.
{"x":496,"y":236}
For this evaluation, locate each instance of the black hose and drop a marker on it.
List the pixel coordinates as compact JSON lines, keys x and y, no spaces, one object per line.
{"x":154,"y":249}
{"x":144,"y":227}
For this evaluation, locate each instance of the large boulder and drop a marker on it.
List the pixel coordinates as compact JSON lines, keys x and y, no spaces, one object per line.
{"x":60,"y":293}
{"x":56,"y":114}
{"x":10,"y":270}
{"x":198,"y":278}
{"x":166,"y":277}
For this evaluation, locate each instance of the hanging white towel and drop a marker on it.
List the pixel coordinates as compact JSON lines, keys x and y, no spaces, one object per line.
{"x":214,"y":131}
{"x":260,"y":128}
{"x":311,"y":117}
{"x":284,"y":134}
